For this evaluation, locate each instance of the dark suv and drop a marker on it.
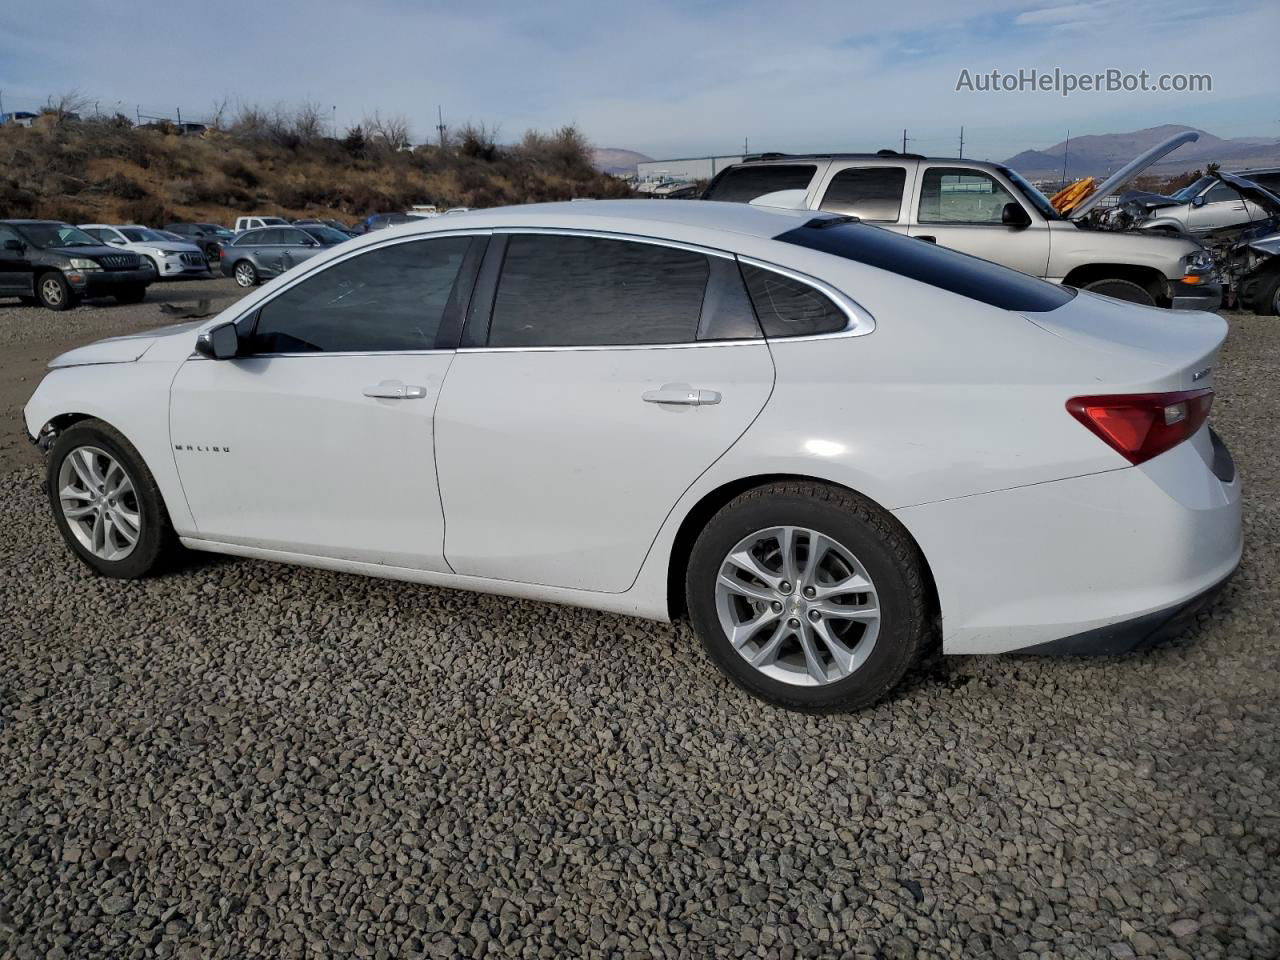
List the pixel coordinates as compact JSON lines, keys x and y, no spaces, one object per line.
{"x":55,"y":264}
{"x":209,"y":237}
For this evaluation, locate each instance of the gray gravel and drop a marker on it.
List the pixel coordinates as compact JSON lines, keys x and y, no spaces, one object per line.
{"x":248,"y":760}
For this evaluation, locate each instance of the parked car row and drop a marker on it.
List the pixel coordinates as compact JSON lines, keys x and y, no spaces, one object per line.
{"x":55,"y":264}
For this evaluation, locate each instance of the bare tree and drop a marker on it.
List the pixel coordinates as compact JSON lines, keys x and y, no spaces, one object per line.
{"x":69,"y":103}
{"x":391,"y":131}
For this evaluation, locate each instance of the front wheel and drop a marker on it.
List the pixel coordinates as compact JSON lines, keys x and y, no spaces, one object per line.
{"x":53,"y":291}
{"x":133,"y":293}
{"x":245,"y":274}
{"x":808,"y":596}
{"x":1267,"y":301}
{"x":106,"y":502}
{"x":1125,"y":290}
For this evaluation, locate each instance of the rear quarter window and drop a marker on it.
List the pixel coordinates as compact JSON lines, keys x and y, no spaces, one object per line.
{"x":928,"y":263}
{"x":744,"y":184}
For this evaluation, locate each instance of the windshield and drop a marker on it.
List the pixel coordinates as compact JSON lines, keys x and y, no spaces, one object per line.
{"x":327,"y":235}
{"x":1187,"y":193}
{"x":141,"y":235}
{"x":1038,"y":199}
{"x":274,"y":221}
{"x":216,"y":230}
{"x":57,"y":235}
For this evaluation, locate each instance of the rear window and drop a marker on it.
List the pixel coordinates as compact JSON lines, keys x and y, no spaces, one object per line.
{"x":744,"y":184}
{"x":928,"y":263}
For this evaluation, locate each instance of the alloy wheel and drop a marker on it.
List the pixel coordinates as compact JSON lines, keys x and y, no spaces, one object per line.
{"x":99,"y":503}
{"x":797,"y":606}
{"x":244,"y":275}
{"x":51,"y":290}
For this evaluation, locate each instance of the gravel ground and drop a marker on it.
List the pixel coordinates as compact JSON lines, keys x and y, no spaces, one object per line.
{"x":247,"y":760}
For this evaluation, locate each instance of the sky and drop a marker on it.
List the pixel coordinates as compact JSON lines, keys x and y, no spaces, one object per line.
{"x":669,"y":78}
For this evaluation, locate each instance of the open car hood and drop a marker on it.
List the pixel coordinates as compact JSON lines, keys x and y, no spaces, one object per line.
{"x":1131,"y":170}
{"x":1260,"y":195}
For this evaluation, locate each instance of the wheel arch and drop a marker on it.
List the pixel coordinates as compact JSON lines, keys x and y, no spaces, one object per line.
{"x":1149,"y":278}
{"x":697,"y":517}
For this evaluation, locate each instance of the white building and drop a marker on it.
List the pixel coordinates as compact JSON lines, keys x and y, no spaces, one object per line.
{"x":685,"y":169}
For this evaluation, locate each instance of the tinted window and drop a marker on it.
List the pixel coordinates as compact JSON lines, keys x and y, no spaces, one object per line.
{"x":961,"y":195}
{"x":292,"y":237}
{"x":744,"y":184}
{"x":252,"y":238}
{"x":937,"y":266}
{"x":790,"y":308}
{"x":872,"y":193}
{"x":1221,"y":194}
{"x":583,"y":291}
{"x":326,"y":235}
{"x":106,"y":236}
{"x":392,"y":298}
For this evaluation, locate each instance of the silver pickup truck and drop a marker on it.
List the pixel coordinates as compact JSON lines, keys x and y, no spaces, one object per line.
{"x":990,"y":211}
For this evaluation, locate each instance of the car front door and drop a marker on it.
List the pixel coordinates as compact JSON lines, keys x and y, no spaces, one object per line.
{"x":1221,"y":206}
{"x":962,"y":208}
{"x":317,"y":438}
{"x":598,"y":378}
{"x":15,"y":263}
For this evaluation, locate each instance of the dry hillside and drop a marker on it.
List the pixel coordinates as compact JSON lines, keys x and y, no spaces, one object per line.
{"x":107,"y":170}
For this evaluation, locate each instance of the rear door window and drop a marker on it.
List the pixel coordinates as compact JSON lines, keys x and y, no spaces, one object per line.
{"x":790,"y":308}
{"x":572,"y":291}
{"x":869,"y":193}
{"x":743,"y":184}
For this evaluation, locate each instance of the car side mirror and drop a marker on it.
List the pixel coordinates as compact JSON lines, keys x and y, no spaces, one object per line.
{"x":1014,"y":216}
{"x":219,"y":343}
{"x":1198,"y":201}
{"x":17,"y":245}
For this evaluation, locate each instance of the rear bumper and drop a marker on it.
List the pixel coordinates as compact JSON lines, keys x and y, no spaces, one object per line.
{"x":1092,"y":564}
{"x":1194,"y":296}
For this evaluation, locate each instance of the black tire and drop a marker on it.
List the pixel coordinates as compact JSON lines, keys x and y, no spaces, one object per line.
{"x":1266,"y":299}
{"x":133,"y":293}
{"x":156,"y":540}
{"x":245,"y":273}
{"x":53,"y":291}
{"x":1125,"y":290}
{"x":887,"y":553}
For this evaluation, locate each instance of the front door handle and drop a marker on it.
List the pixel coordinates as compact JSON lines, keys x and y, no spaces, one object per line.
{"x":395,"y":390}
{"x":927,"y":238}
{"x":679,"y":394}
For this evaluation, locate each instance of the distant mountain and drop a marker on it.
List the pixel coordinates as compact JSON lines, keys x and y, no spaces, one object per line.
{"x":611,"y":160}
{"x":1100,"y":154}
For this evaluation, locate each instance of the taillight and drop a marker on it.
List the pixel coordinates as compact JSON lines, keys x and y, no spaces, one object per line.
{"x":1140,"y":426}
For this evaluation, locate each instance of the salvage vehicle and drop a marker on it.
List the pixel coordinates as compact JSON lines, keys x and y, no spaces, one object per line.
{"x":990,"y":211}
{"x":55,"y":265}
{"x":1250,"y":252}
{"x":1200,"y":207}
{"x":824,"y":442}
{"x":258,"y":255}
{"x":171,"y":258}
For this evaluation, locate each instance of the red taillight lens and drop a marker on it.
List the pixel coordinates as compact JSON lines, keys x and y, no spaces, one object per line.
{"x":1143,"y":425}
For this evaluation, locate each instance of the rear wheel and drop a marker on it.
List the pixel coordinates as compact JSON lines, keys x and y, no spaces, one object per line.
{"x":808,"y":596}
{"x":53,"y":291}
{"x":1266,"y":302}
{"x":106,"y":503}
{"x":1125,"y":290}
{"x":245,"y":274}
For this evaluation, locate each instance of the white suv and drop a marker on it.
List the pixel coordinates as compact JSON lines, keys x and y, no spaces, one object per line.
{"x":171,"y":258}
{"x":990,"y":211}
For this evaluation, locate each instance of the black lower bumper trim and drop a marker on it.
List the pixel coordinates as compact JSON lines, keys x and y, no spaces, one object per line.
{"x":1129,"y":635}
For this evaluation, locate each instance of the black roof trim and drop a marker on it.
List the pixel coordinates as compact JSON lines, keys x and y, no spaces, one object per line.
{"x":878,"y":155}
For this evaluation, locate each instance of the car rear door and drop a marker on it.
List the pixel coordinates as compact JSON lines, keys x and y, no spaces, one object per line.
{"x":15,"y":264}
{"x":876,"y":192}
{"x":316,"y":439}
{"x":598,"y":378}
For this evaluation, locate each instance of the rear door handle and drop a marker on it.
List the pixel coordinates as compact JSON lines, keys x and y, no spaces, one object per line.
{"x":678,"y":394}
{"x":395,"y":390}
{"x":927,"y":238}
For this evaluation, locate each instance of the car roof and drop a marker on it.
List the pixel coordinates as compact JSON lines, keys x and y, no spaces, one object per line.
{"x":654,"y":217}
{"x":34,"y":221}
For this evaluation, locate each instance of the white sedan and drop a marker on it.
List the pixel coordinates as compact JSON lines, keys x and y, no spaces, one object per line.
{"x":824,"y":443}
{"x":172,"y":257}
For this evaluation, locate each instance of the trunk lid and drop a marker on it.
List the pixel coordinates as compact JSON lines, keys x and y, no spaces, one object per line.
{"x":1159,"y":349}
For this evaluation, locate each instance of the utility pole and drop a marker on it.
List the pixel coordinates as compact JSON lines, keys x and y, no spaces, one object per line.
{"x":1,"y":106}
{"x":904,"y":139}
{"x":334,"y":108}
{"x":440,"y":127}
{"x":1066,"y":149}
{"x":139,"y":109}
{"x":179,"y":117}
{"x":961,"y":142}
{"x":746,"y":146}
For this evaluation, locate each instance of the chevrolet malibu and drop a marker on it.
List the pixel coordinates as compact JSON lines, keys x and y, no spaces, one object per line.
{"x":825,"y":444}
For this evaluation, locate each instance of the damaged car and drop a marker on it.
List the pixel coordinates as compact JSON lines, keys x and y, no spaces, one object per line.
{"x":990,"y":211}
{"x":1208,"y":204}
{"x":1249,"y":253}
